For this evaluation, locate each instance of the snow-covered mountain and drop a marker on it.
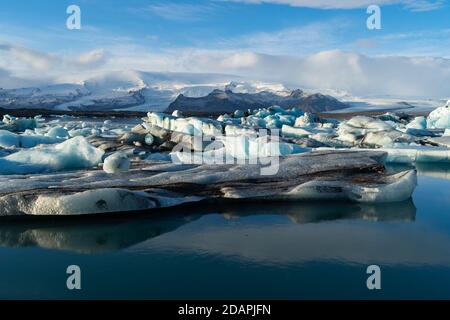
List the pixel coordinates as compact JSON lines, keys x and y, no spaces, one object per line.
{"x":130,"y":90}
{"x":156,"y":91}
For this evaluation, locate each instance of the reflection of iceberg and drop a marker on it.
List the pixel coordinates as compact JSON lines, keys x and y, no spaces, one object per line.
{"x":276,"y":242}
{"x":91,"y":235}
{"x":306,"y":212}
{"x":100,"y":235}
{"x":441,"y":171}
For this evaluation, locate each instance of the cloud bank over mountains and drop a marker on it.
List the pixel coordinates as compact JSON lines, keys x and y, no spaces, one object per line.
{"x":356,"y":73}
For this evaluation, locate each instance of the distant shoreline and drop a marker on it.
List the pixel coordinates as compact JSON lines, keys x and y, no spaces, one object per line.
{"x":22,"y":112}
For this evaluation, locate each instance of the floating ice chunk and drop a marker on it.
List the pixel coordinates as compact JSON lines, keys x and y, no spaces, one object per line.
{"x":440,"y":118}
{"x":149,"y":139}
{"x":370,"y":131}
{"x":399,"y":188}
{"x":85,"y":132}
{"x":20,"y":124}
{"x":11,"y":140}
{"x":306,"y":120}
{"x":116,"y":163}
{"x":190,"y":126}
{"x":447,"y":133}
{"x":247,"y":147}
{"x":218,"y":156}
{"x":289,"y":131}
{"x":410,"y":154}
{"x":177,"y":113}
{"x":58,"y":132}
{"x":256,"y":122}
{"x":75,"y":153}
{"x":236,"y":130}
{"x":369,"y":123}
{"x":92,"y":202}
{"x":386,"y":138}
{"x":417,"y":123}
{"x":239,"y":114}
{"x":99,"y":201}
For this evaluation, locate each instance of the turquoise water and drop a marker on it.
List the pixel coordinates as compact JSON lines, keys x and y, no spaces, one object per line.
{"x":259,"y":251}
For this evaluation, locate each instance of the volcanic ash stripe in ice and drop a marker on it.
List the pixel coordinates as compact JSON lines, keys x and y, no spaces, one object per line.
{"x":75,"y":153}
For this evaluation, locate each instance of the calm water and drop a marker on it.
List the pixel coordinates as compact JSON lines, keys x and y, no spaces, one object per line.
{"x":280,"y":251}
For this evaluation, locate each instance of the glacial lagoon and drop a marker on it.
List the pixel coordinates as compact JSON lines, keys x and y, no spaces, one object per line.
{"x":294,"y":250}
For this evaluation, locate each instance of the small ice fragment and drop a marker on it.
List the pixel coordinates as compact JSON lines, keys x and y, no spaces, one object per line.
{"x":149,"y":139}
{"x":116,"y":163}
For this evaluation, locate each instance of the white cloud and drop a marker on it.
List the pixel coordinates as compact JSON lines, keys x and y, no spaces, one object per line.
{"x":92,"y":58}
{"x":414,"y":5}
{"x":356,"y":73}
{"x":36,"y":60}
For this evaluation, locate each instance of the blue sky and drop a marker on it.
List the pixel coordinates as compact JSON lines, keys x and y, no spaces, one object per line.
{"x":274,"y":28}
{"x":249,"y":37}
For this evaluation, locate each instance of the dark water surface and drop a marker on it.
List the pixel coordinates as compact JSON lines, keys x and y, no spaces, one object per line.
{"x":273,"y":251}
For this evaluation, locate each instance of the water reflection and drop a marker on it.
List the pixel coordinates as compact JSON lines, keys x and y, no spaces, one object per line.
{"x":434,"y":170}
{"x":98,"y":235}
{"x":104,"y":235}
{"x":313,"y":212}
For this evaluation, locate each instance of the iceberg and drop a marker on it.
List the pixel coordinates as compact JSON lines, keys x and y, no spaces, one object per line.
{"x":440,"y":118}
{"x":411,"y":155}
{"x":58,"y":132}
{"x":10,"y":140}
{"x":88,"y":202}
{"x":190,"y":126}
{"x":417,"y":123}
{"x":116,"y":163}
{"x":20,"y":124}
{"x":76,"y":153}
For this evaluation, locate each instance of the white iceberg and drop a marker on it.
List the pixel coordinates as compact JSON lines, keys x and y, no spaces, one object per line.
{"x":116,"y":163}
{"x":440,"y":118}
{"x":20,"y":124}
{"x":76,"y":153}
{"x":409,"y":155}
{"x":58,"y":132}
{"x":417,"y":123}
{"x":10,"y":140}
